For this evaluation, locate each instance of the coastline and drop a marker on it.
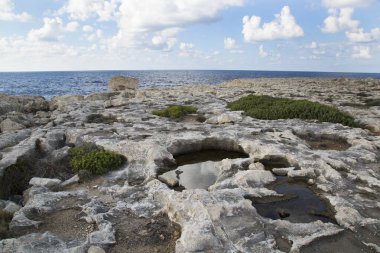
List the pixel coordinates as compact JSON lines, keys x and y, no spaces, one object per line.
{"x":221,"y":219}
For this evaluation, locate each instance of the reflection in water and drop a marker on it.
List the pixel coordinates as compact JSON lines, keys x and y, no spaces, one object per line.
{"x":300,"y":205}
{"x":199,"y":170}
{"x":198,"y":175}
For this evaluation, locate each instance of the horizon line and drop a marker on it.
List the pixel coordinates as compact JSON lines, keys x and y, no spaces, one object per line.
{"x":142,"y":70}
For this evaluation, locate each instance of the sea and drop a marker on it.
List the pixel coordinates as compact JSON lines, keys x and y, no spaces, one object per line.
{"x":50,"y":84}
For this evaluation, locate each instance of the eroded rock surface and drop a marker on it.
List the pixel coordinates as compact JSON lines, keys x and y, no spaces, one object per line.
{"x":220,"y":219}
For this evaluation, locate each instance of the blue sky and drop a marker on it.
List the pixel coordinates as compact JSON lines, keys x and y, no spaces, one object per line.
{"x":304,"y":35}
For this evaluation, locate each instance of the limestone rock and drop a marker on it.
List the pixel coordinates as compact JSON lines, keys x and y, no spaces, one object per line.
{"x":256,"y":166}
{"x":45,"y":182}
{"x":9,"y":125}
{"x":169,"y":180}
{"x":100,"y":96}
{"x":230,"y":117}
{"x":70,"y":181}
{"x":28,"y":104}
{"x":95,"y":249}
{"x":282,"y":171}
{"x":122,"y":83}
{"x":11,"y":207}
{"x":61,"y":101}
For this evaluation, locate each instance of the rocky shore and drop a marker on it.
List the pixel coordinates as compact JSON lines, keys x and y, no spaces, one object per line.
{"x":135,"y":209}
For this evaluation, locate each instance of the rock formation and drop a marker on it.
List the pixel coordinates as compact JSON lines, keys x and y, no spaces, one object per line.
{"x":131,"y":210}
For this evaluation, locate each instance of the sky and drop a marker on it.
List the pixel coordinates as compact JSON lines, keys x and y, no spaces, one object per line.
{"x":294,"y":35}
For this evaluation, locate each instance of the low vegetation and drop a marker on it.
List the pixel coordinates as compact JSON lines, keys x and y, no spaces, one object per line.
{"x":270,"y":108}
{"x":94,"y":160}
{"x":175,"y":111}
{"x":5,"y":219}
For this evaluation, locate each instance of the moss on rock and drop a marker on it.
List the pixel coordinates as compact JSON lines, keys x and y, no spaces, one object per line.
{"x":175,"y":111}
{"x":271,"y":108}
{"x":93,"y":159}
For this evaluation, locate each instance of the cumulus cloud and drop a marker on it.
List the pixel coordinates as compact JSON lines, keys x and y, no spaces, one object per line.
{"x":312,"y":45}
{"x":359,"y":36}
{"x":72,"y":26}
{"x":186,"y":49}
{"x":346,"y":3}
{"x":104,"y":10}
{"x":52,"y":30}
{"x":88,"y":29}
{"x":262,"y":52}
{"x":165,"y":40}
{"x":284,"y":26}
{"x":361,"y":52}
{"x":140,"y":20}
{"x":229,"y":43}
{"x":7,"y":12}
{"x":340,"y":20}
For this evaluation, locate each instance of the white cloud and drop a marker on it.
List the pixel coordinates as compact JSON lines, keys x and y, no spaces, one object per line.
{"x":284,"y":26}
{"x":229,"y":43}
{"x":104,"y":10}
{"x":72,"y":26}
{"x":361,"y":52}
{"x":346,"y":3}
{"x":186,"y":49}
{"x":87,"y":29}
{"x":312,"y":45}
{"x":165,"y":40}
{"x":140,"y":20}
{"x":52,"y":30}
{"x":359,"y":36}
{"x":340,"y":21}
{"x":7,"y":12}
{"x":186,"y":46}
{"x":262,"y":52}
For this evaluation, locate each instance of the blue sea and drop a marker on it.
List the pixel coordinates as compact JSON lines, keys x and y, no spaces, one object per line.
{"x":50,"y":84}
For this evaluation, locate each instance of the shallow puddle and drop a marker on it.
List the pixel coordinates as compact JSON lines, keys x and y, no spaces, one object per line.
{"x":346,"y":242}
{"x":299,"y":204}
{"x":198,"y":170}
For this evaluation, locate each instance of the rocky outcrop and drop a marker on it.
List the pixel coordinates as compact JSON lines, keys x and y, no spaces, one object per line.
{"x":220,"y":219}
{"x":126,"y":84}
{"x":27,"y":104}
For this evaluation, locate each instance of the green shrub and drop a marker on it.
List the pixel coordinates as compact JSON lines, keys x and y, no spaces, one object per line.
{"x":175,"y":111}
{"x":270,"y":108}
{"x":94,"y":160}
{"x":5,"y":219}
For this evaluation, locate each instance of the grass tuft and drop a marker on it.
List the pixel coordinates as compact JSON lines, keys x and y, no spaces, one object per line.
{"x":93,"y":159}
{"x":175,"y":111}
{"x":270,"y":108}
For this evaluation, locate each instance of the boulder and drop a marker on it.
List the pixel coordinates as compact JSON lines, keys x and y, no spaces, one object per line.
{"x":45,"y":182}
{"x":9,"y":125}
{"x":28,"y":104}
{"x":230,"y":117}
{"x":62,"y":101}
{"x":75,"y":179}
{"x":95,"y":249}
{"x":169,"y":179}
{"x":122,"y":83}
{"x":11,"y":208}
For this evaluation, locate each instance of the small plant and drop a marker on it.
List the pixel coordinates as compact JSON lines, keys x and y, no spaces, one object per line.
{"x":5,"y":219}
{"x":175,"y":111}
{"x":93,"y":159}
{"x":270,"y":108}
